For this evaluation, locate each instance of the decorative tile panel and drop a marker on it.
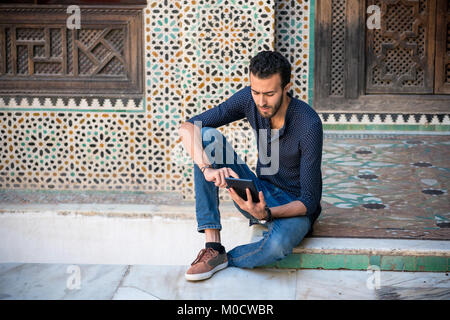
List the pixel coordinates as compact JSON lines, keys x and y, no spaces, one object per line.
{"x":48,"y":150}
{"x":218,"y":39}
{"x":293,"y":22}
{"x":111,"y":143}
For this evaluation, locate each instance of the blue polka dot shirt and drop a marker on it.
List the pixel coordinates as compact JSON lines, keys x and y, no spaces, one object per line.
{"x":300,"y":145}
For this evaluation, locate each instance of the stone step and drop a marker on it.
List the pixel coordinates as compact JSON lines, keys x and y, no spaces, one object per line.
{"x":131,"y":234}
{"x":364,"y":254}
{"x":162,"y":234}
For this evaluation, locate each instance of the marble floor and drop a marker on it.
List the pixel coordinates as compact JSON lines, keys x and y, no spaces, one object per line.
{"x":123,"y":282}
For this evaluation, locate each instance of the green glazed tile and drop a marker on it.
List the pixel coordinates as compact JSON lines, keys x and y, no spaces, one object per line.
{"x":356,"y":262}
{"x":432,"y":264}
{"x":291,"y":261}
{"x":309,"y":261}
{"x":362,"y":262}
{"x":375,"y":260}
{"x":398,"y":263}
{"x":332,"y":261}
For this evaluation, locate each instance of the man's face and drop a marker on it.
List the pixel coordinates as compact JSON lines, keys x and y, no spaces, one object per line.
{"x":267,"y":94}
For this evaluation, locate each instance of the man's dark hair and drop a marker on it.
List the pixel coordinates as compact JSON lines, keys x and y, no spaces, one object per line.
{"x":267,"y":63}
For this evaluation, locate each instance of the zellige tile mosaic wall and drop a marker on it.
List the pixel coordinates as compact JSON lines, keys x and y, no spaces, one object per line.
{"x":196,"y":55}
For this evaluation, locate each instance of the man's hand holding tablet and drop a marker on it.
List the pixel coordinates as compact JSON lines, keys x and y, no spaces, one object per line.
{"x":246,"y":196}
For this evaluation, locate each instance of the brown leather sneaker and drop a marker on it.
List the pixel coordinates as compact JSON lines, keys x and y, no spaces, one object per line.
{"x":208,"y":262}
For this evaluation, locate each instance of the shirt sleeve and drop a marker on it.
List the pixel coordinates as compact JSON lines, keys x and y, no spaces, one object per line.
{"x":230,"y":110}
{"x":310,"y":168}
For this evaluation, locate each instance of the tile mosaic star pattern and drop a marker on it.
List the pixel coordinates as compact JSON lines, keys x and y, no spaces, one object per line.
{"x":196,"y":55}
{"x":50,"y":150}
{"x":218,"y":39}
{"x":292,"y":39}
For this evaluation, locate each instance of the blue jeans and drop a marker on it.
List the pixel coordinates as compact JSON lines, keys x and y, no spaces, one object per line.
{"x":282,"y":235}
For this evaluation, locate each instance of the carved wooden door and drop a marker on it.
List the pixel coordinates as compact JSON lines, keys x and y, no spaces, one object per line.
{"x":400,"y":54}
{"x":442,"y":82}
{"x":363,"y":65}
{"x":40,"y":55}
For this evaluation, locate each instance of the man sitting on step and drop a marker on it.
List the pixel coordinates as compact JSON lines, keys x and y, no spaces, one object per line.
{"x":288,"y":173}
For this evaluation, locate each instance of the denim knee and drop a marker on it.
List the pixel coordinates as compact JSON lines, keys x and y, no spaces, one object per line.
{"x":277,"y":248}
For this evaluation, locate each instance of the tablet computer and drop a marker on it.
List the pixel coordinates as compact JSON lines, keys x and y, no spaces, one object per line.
{"x":239,"y":186}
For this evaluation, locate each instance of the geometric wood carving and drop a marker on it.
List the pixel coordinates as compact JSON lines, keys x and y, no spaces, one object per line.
{"x":400,"y":55}
{"x":39,"y":55}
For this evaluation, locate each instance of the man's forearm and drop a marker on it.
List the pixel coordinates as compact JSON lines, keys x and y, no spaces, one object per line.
{"x":291,"y":209}
{"x":192,"y":141}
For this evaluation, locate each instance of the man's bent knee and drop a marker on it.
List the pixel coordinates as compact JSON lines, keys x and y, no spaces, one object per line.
{"x":277,"y":249}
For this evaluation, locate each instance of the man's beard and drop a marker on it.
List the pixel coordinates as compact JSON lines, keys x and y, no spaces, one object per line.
{"x":274,"y":108}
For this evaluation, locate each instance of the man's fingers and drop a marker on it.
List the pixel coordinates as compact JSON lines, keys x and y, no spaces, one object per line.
{"x":222,"y":178}
{"x":262,"y":201}
{"x":217,"y":179}
{"x":261,"y":198}
{"x":227,"y":174}
{"x":236,"y":198}
{"x":249,"y":195}
{"x":233,"y":174}
{"x":221,"y":174}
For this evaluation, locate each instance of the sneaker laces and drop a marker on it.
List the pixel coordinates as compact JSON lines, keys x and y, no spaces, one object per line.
{"x":203,"y":255}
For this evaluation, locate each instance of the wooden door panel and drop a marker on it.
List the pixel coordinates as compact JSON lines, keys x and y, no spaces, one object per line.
{"x":40,"y":55}
{"x":442,"y":82}
{"x":400,"y":55}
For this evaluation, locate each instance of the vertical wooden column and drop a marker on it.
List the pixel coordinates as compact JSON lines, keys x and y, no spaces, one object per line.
{"x":442,"y":72}
{"x":323,"y":53}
